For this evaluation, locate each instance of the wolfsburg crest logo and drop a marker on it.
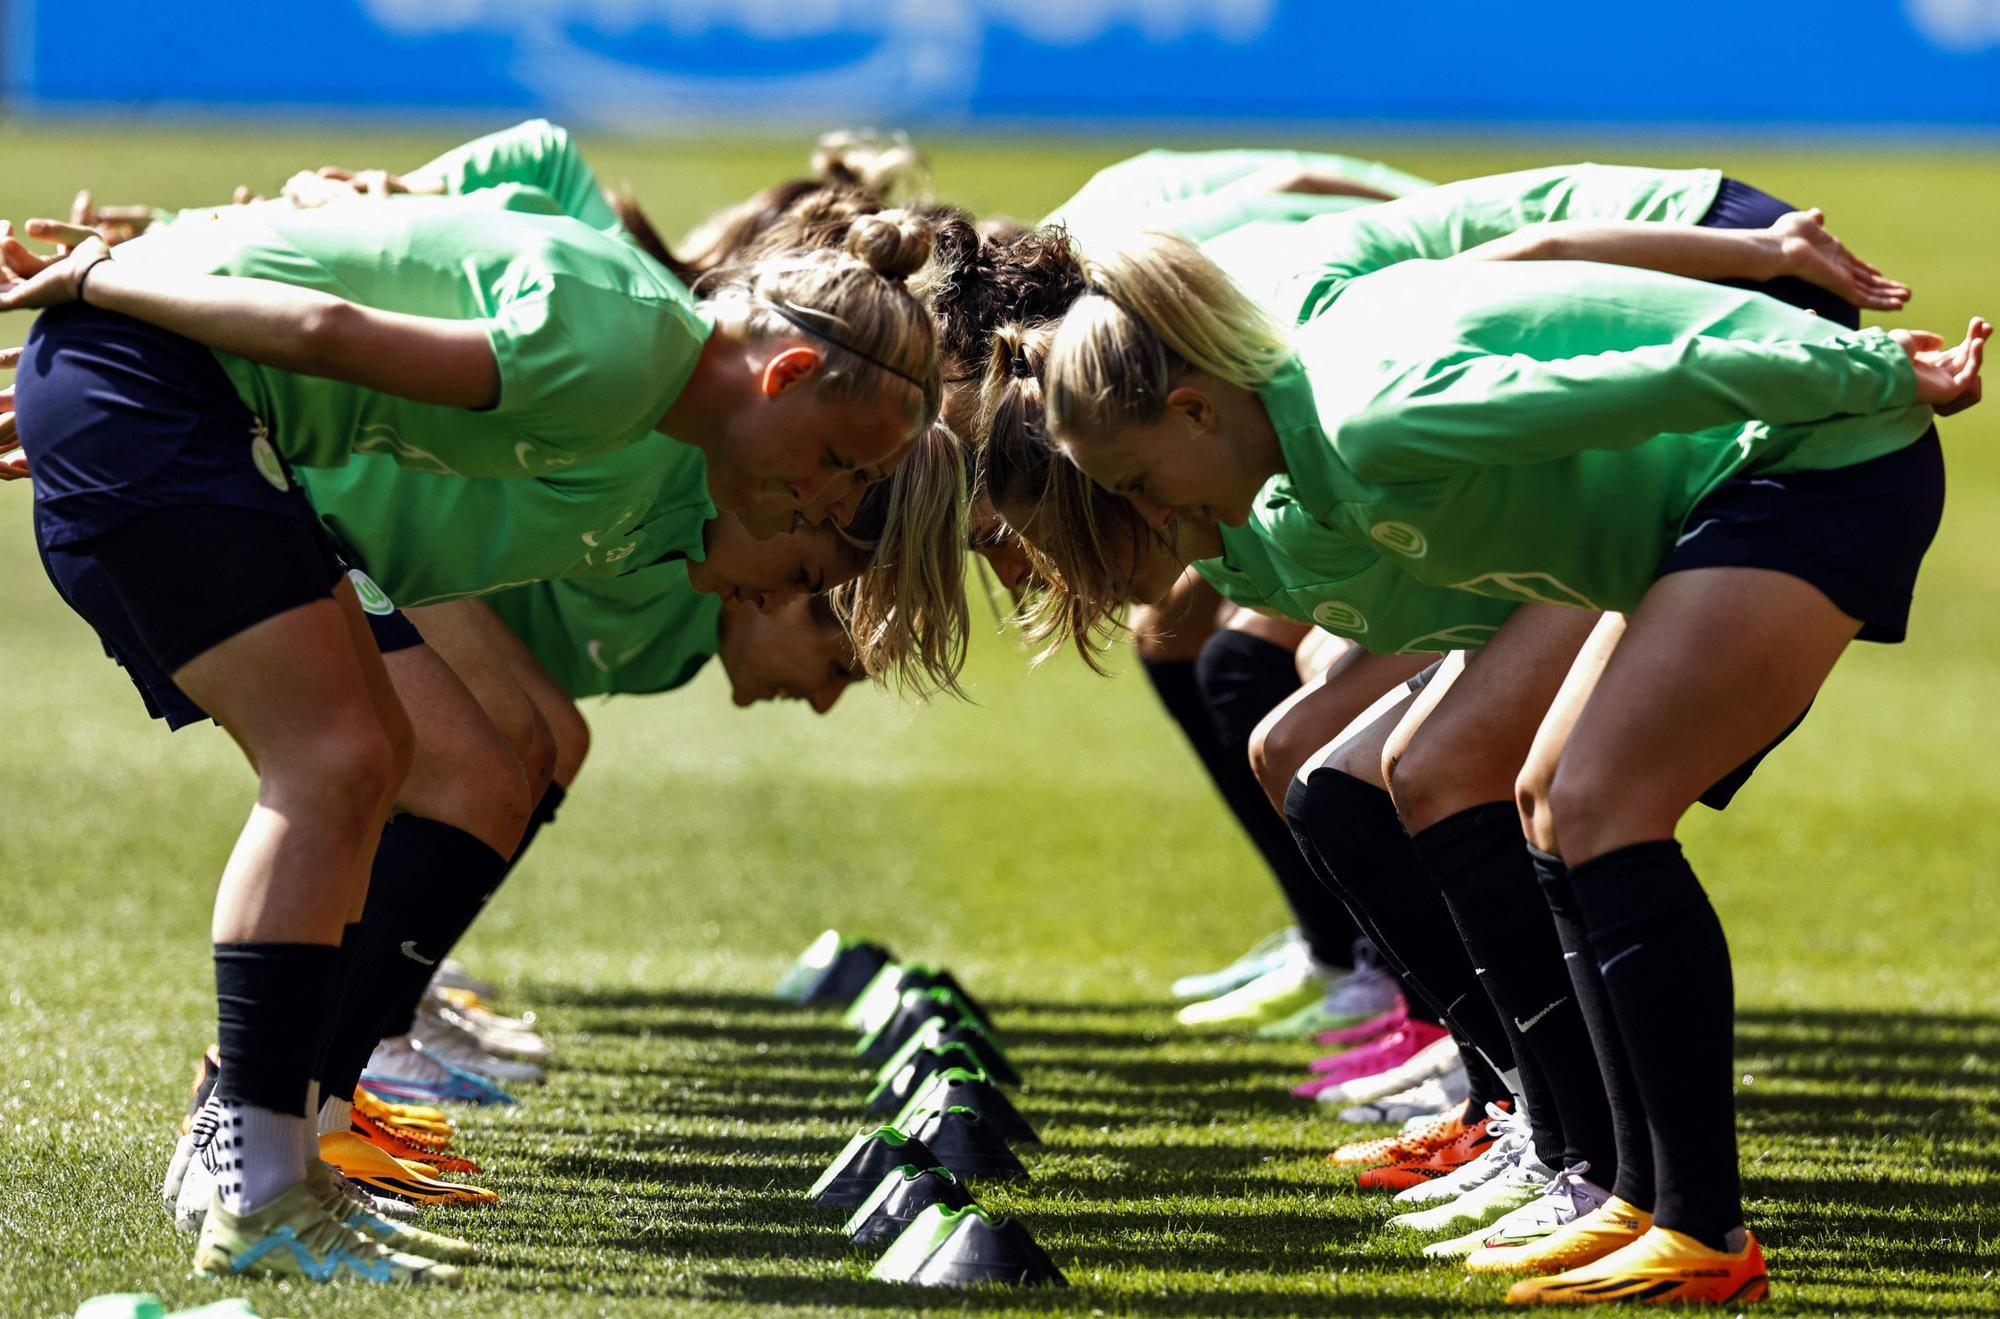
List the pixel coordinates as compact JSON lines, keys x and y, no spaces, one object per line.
{"x":1400,"y":537}
{"x":1339,"y":616}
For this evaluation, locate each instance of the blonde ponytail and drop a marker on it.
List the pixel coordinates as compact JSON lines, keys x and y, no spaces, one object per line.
{"x":1155,"y":309}
{"x":906,"y":612}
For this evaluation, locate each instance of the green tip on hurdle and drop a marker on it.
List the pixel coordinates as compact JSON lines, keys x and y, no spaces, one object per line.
{"x":832,"y":969}
{"x":904,"y":1075}
{"x":902,"y":1195}
{"x":956,"y":1087}
{"x":952,"y":1247}
{"x":862,"y":1164}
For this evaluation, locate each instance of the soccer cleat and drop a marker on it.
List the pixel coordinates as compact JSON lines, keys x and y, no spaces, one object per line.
{"x":388,"y":1110}
{"x":1372,"y":1029}
{"x":386,"y":1140}
{"x":1268,"y":955}
{"x":1472,"y":1141}
{"x":1380,"y":1054}
{"x":354,"y":1208}
{"x":428,"y":1141}
{"x":456,"y":1048}
{"x":1426,"y":1099}
{"x":1663,"y":1267}
{"x":295,"y":1237}
{"x":1505,"y":1137}
{"x":1363,"y":994}
{"x":206,"y":1069}
{"x":398,"y":1070}
{"x":451,"y":974}
{"x":1276,"y":993}
{"x":1614,"y":1225}
{"x":1420,"y":1138}
{"x":1524,"y":1179}
{"x":1431,"y":1060}
{"x":383,"y":1174}
{"x":510,"y":1037}
{"x":1569,"y":1197}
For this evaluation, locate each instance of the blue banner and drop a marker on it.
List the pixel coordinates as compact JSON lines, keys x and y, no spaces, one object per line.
{"x":649,"y":64}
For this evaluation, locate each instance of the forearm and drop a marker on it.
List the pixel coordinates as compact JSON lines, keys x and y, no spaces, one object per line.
{"x":1690,"y":251}
{"x":426,"y":359}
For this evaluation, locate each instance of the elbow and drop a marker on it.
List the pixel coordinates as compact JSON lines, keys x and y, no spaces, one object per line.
{"x":1540,"y":243}
{"x":323,"y":334}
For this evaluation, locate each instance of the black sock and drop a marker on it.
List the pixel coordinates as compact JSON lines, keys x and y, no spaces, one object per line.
{"x":544,"y":813}
{"x":329,"y":1064}
{"x":1665,"y":962}
{"x":1352,"y":834}
{"x":1630,"y":1136}
{"x":428,"y":884}
{"x":270,"y":999}
{"x":1483,"y":1085}
{"x":1243,"y":678}
{"x":1489,"y":884}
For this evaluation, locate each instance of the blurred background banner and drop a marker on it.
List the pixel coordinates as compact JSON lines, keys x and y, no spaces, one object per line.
{"x":654,"y":64}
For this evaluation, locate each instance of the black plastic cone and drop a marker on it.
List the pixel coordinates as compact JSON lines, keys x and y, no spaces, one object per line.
{"x":900,"y":1197}
{"x":897,"y":1090}
{"x":992,"y":1059}
{"x":868,"y":1158}
{"x":851,"y":970}
{"x":959,"y":1088}
{"x":934,"y":977}
{"x":917,"y":1009}
{"x":983,"y":1250}
{"x":969,"y":1145}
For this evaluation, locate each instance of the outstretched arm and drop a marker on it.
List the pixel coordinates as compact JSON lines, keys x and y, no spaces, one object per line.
{"x":424,"y":358}
{"x":1796,"y":244}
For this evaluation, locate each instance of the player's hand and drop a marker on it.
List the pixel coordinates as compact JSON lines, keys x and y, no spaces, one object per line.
{"x":114,"y":224}
{"x":13,"y":463}
{"x":1807,"y":250}
{"x":330,"y":184}
{"x":1947,"y":378}
{"x":28,"y":279}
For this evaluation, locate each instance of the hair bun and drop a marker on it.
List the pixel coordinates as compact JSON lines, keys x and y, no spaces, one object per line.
{"x":895,"y":244}
{"x":887,"y":167}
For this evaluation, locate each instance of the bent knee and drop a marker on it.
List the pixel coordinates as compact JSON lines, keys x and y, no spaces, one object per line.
{"x":570,"y":732}
{"x":354,"y":765}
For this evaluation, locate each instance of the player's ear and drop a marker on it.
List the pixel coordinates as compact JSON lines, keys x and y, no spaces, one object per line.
{"x":788,"y":368}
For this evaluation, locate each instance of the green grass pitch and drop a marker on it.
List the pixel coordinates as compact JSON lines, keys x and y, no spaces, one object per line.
{"x":1054,"y":843}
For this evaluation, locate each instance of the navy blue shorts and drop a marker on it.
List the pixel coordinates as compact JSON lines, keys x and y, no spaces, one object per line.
{"x":163,"y":514}
{"x":1740,"y":206}
{"x":1857,"y":533}
{"x":119,"y":418}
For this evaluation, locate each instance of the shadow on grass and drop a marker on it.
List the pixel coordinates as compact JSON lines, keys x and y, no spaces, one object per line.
{"x":1136,"y":1120}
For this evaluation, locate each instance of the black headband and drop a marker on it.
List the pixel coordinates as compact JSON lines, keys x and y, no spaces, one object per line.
{"x":818,"y":333}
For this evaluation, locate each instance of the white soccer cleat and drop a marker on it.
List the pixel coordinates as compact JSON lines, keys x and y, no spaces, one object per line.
{"x":1569,"y":1197}
{"x":1427,"y":1099}
{"x":1267,"y":955}
{"x":437,"y":1038}
{"x":509,"y":1037}
{"x":1434,"y":1060}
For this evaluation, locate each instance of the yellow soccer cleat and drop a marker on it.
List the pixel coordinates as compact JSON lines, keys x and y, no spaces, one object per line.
{"x":433,"y":1123}
{"x":1663,"y":1267}
{"x":1614,"y":1225}
{"x":384,"y":1174}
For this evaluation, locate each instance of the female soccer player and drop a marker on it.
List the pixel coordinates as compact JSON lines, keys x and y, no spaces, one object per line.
{"x":1586,"y":437}
{"x":162,"y":415}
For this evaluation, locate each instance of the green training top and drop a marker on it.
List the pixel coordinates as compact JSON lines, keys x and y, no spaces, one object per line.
{"x":1540,"y":431}
{"x":1295,"y":270}
{"x":1285,"y":562}
{"x":536,"y":153}
{"x":593,"y":341}
{"x":426,"y":539}
{"x":1199,"y":194}
{"x":645,"y":632}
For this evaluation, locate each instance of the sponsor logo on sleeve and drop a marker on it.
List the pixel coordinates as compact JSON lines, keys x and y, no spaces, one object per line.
{"x":1339,"y":616}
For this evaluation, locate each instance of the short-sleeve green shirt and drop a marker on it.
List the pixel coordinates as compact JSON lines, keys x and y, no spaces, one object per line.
{"x":1199,"y":194}
{"x":1540,"y":431}
{"x":427,"y":539}
{"x":1284,"y":561}
{"x":536,"y":153}
{"x":593,"y":341}
{"x":648,"y":631}
{"x":1296,"y":269}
